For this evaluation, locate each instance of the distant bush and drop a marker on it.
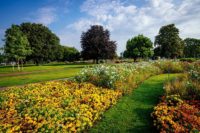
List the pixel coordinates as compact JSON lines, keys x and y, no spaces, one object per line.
{"x":169,"y":66}
{"x":187,"y":86}
{"x":118,"y":61}
{"x":189,"y":59}
{"x":184,"y":87}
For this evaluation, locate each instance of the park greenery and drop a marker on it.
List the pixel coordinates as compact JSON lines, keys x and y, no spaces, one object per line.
{"x":139,"y":47}
{"x":96,"y":44}
{"x":179,"y":108}
{"x":192,"y":48}
{"x":168,"y":43}
{"x":16,"y":45}
{"x":131,"y":93}
{"x":77,"y":105}
{"x":36,"y":43}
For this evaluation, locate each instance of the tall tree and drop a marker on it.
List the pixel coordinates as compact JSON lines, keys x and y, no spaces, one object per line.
{"x":192,"y":47}
{"x":43,"y":42}
{"x":138,"y":47}
{"x":96,"y":44}
{"x":110,"y":50}
{"x":16,"y":45}
{"x":168,"y":42}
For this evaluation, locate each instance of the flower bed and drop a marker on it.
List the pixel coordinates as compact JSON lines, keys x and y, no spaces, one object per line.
{"x":179,"y":109}
{"x":56,"y":106}
{"x":173,"y":115}
{"x":121,"y":76}
{"x":61,"y":106}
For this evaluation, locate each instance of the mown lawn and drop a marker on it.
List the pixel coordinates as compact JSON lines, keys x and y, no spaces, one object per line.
{"x":32,"y":74}
{"x":34,"y":68}
{"x":132,"y":112}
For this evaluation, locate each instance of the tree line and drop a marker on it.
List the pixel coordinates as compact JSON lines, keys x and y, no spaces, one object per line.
{"x":36,"y":42}
{"x":96,"y":44}
{"x":167,"y":44}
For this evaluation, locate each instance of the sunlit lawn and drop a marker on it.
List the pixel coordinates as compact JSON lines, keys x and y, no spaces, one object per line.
{"x":32,"y":74}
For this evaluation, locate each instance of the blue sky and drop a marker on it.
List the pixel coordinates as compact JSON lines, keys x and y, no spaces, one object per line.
{"x":123,"y":18}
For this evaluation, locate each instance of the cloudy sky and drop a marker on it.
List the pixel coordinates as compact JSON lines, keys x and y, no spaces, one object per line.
{"x":123,"y":18}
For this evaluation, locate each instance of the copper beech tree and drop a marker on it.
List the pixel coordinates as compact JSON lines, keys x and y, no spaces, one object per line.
{"x":96,"y":44}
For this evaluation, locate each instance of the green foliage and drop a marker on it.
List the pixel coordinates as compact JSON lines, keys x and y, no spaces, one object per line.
{"x":187,"y":86}
{"x":168,"y":43}
{"x":169,"y":66}
{"x":16,"y":44}
{"x":44,"y":43}
{"x":139,"y":46}
{"x":192,"y":47}
{"x":96,"y":44}
{"x":1,"y":58}
{"x":188,"y":59}
{"x":70,"y":54}
{"x":194,"y":72}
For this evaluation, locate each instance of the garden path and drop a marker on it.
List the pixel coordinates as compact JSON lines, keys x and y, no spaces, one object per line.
{"x":132,"y":112}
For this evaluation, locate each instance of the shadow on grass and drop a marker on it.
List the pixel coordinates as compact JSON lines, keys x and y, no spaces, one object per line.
{"x":143,"y":123}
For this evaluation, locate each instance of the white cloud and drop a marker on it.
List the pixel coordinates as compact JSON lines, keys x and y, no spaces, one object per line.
{"x":127,"y":20}
{"x":45,"y":15}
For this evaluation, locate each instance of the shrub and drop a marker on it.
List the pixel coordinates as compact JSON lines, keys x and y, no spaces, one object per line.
{"x":194,"y":72}
{"x":119,"y":76}
{"x":169,"y":66}
{"x":187,"y":86}
{"x":176,"y":86}
{"x":188,"y":59}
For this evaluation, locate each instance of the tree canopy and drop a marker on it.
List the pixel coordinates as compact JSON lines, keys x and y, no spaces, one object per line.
{"x":44,"y":43}
{"x":16,"y":44}
{"x":70,"y":54}
{"x":96,"y":44}
{"x":138,"y":47}
{"x":168,"y":43}
{"x":192,"y":47}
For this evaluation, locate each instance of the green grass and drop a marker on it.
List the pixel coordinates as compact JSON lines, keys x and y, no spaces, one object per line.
{"x":37,"y":74}
{"x":132,"y":112}
{"x":33,"y":68}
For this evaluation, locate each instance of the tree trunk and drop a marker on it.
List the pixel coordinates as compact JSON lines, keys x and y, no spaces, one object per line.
{"x":13,"y":66}
{"x":135,"y":59}
{"x":18,"y":67}
{"x":97,"y":61}
{"x":37,"y":63}
{"x":22,"y":65}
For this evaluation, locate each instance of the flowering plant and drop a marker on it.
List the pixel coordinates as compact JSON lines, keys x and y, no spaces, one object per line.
{"x":117,"y":76}
{"x":55,"y":106}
